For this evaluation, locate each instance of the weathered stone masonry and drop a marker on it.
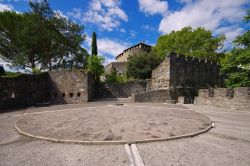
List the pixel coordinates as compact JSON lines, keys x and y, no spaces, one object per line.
{"x":158,"y":96}
{"x":183,"y":76}
{"x":120,"y":67}
{"x":178,"y":71}
{"x":23,"y":90}
{"x":122,"y":59}
{"x":122,"y":90}
{"x":238,"y":98}
{"x":58,"y":87}
{"x":71,"y":87}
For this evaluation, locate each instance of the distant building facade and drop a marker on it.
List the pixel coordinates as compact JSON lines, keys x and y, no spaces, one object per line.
{"x":121,"y":60}
{"x":123,"y":57}
{"x":120,"y":67}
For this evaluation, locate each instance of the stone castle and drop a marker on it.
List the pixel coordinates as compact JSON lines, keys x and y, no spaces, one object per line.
{"x":55,"y":87}
{"x":178,"y":76}
{"x":177,"y":79}
{"x":121,"y":60}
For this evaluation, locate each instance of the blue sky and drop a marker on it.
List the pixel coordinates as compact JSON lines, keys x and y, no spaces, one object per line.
{"x":122,"y":23}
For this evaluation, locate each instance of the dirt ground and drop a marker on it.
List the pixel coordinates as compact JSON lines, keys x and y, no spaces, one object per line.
{"x":111,"y":122}
{"x":226,"y":144}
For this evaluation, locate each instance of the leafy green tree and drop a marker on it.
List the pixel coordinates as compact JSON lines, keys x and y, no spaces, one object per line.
{"x":11,"y":37}
{"x":121,"y":78}
{"x":36,"y":71}
{"x":247,"y":17}
{"x":80,"y":59}
{"x":141,"y":64}
{"x":60,"y":38}
{"x":94,"y":45}
{"x":40,"y":37}
{"x":95,"y":66}
{"x":113,"y":77}
{"x":236,"y":65}
{"x":198,"y":42}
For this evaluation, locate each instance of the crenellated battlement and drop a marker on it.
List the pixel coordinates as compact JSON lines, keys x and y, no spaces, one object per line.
{"x":180,"y":57}
{"x":179,"y":71}
{"x":237,"y":98}
{"x":123,"y":57}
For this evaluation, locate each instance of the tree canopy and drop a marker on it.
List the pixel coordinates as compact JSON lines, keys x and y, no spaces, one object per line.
{"x":190,"y":42}
{"x":113,"y":77}
{"x":141,"y":64}
{"x":94,"y":45}
{"x":236,"y":65}
{"x":40,"y":38}
{"x":94,"y":65}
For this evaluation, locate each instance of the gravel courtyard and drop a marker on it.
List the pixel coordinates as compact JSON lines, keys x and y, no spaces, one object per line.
{"x":111,"y":122}
{"x":226,"y":144}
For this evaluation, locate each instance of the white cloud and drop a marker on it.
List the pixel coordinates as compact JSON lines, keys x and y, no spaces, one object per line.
{"x":132,"y":34}
{"x":75,"y":13}
{"x":4,"y":7}
{"x":122,"y":30}
{"x":9,"y":67}
{"x":231,"y":33}
{"x":108,"y":60}
{"x":221,"y":17}
{"x":108,"y":47}
{"x":107,"y":14}
{"x":148,"y":27}
{"x":210,"y":14}
{"x":111,"y":47}
{"x":185,"y":1}
{"x":152,"y":7}
{"x":59,"y":13}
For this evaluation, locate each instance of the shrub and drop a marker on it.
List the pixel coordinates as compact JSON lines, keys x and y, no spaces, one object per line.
{"x":36,"y":71}
{"x":140,"y":65}
{"x":95,"y":66}
{"x":114,"y":77}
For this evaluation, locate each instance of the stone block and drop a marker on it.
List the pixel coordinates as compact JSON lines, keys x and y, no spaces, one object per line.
{"x":242,"y":92}
{"x":52,"y":87}
{"x":159,"y":96}
{"x":181,"y":99}
{"x":237,"y":98}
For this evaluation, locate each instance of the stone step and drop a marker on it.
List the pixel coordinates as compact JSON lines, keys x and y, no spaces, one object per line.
{"x":129,"y":99}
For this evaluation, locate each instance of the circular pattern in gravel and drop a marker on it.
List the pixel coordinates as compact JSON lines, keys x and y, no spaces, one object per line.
{"x":113,"y":123}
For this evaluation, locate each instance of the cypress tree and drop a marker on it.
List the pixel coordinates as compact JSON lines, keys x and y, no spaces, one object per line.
{"x":94,"y":45}
{"x":2,"y":71}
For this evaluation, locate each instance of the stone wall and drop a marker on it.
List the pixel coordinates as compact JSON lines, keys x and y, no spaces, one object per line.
{"x":178,"y":71}
{"x":157,"y":96}
{"x":161,"y":76}
{"x":238,"y":98}
{"x":58,"y":87}
{"x":24,"y":90}
{"x":190,"y":72}
{"x":121,"y":90}
{"x":120,"y":67}
{"x":183,"y":76}
{"x":70,"y":87}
